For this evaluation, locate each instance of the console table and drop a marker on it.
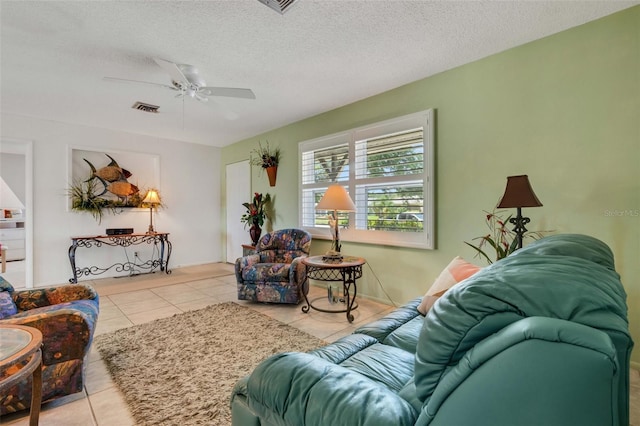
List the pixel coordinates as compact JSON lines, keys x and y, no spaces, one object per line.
{"x":158,"y":239}
{"x":348,"y":270}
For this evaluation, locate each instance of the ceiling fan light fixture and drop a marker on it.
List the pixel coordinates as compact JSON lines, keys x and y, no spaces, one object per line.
{"x":279,"y":6}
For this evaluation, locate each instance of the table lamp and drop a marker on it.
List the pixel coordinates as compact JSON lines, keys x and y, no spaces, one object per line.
{"x":337,"y":199}
{"x":153,"y":199}
{"x":518,"y":194}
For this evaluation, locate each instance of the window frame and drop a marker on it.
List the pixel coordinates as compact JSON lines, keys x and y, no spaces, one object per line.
{"x":420,"y":240}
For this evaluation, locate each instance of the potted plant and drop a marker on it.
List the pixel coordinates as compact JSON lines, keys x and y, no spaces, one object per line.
{"x":268,"y":159}
{"x":255,"y":215}
{"x":500,"y":239}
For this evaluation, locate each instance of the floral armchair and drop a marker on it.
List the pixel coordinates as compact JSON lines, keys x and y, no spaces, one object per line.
{"x":275,"y":273}
{"x":66,"y":316}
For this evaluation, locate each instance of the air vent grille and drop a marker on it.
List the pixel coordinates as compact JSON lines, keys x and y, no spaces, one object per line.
{"x":280,"y":6}
{"x":141,"y":106}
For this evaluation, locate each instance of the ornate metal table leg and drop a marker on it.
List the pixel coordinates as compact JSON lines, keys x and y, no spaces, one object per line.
{"x":306,"y":307}
{"x":347,"y":280}
{"x":166,"y":263}
{"x":72,"y":260}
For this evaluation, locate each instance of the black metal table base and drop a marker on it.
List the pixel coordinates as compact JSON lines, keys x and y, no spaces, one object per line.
{"x":127,"y":240}
{"x":348,"y":275}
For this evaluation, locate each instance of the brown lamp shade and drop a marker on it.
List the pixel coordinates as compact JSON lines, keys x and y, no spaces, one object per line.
{"x":519,"y":193}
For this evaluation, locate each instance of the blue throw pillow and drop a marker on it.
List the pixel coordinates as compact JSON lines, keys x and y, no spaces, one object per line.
{"x":7,"y":307}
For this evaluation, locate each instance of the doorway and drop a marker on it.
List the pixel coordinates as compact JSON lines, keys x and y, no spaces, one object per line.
{"x":16,"y":221}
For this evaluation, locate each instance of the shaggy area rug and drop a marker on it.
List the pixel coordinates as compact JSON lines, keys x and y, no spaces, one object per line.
{"x":181,"y":370}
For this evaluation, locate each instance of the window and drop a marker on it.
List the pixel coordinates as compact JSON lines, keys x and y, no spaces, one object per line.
{"x":387,"y":168}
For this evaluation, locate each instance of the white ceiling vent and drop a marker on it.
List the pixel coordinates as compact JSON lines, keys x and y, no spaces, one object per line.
{"x":280,"y":6}
{"x":141,"y":106}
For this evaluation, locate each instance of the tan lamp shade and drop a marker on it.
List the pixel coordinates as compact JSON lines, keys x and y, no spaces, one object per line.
{"x":336,"y":198}
{"x":152,"y":197}
{"x":519,"y":193}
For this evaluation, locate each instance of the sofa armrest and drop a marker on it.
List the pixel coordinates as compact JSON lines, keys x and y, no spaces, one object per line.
{"x":67,"y":328}
{"x":299,"y":388}
{"x":298,"y":271}
{"x":41,"y":297}
{"x":501,"y":378}
{"x":245,"y":262}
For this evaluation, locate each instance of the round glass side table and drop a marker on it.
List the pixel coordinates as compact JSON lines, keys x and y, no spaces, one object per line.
{"x":346,"y":270}
{"x":19,"y":345}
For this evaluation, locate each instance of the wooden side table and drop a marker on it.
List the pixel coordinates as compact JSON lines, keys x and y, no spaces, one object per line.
{"x":3,"y":255}
{"x":248,"y":249}
{"x":20,"y":344}
{"x":348,"y":271}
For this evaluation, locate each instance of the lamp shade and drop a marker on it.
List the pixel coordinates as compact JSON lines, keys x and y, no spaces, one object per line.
{"x":152,"y":197}
{"x":336,"y":198}
{"x":519,"y":193}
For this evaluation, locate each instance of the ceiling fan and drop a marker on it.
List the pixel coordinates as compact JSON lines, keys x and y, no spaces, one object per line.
{"x":186,"y":80}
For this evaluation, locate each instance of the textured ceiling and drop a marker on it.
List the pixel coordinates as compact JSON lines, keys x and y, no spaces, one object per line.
{"x":318,"y":56}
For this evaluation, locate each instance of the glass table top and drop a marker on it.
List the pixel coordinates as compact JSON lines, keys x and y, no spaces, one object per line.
{"x":12,"y":341}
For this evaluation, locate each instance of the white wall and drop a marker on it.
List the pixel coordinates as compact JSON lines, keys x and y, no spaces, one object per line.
{"x":189,"y":186}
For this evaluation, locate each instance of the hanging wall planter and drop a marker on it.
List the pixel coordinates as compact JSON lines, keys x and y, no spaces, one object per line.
{"x":272,"y":172}
{"x":267,"y":159}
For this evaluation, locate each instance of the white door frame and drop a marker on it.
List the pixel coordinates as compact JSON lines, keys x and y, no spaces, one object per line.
{"x":25,"y":147}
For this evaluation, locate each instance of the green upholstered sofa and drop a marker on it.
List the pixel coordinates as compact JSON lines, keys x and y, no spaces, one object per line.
{"x":538,"y":338}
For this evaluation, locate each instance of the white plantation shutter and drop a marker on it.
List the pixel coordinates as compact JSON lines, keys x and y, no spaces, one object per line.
{"x":387,"y":168}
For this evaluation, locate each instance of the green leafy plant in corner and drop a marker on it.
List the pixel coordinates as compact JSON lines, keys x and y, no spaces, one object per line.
{"x":500,"y":241}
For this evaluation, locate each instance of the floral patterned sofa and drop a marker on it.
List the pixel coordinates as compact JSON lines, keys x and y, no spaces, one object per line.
{"x":275,"y":273}
{"x":67,"y":317}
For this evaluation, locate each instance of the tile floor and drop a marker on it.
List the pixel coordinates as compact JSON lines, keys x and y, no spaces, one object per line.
{"x":134,"y":300}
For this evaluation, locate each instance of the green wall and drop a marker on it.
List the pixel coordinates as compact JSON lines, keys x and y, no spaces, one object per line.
{"x":565,"y":110}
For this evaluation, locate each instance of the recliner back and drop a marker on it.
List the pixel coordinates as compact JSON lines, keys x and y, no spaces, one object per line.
{"x":284,"y":245}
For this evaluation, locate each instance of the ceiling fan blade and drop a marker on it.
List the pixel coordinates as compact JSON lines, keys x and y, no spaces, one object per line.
{"x":173,"y":70}
{"x":231,"y":92}
{"x":222,"y":110}
{"x":124,"y":80}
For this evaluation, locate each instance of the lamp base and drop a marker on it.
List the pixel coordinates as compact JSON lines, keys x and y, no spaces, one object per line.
{"x":151,"y":230}
{"x":332,"y":256}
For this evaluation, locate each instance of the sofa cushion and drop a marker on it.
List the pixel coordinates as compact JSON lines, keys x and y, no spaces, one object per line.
{"x":457,"y":270}
{"x":267,"y":272}
{"x":7,"y":307}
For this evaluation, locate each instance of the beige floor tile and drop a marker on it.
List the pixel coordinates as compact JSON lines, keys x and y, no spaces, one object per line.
{"x":144,"y":305}
{"x":110,"y":408}
{"x":112,"y":325}
{"x":193,"y":305}
{"x":220,"y":290}
{"x":73,"y":410}
{"x":154,"y":314}
{"x":187,"y":295}
{"x":132,"y":296}
{"x":109,"y":311}
{"x":105,"y":301}
{"x":228,"y":297}
{"x":205,"y":284}
{"x":322,"y":325}
{"x":97,"y":377}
